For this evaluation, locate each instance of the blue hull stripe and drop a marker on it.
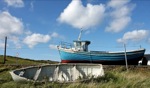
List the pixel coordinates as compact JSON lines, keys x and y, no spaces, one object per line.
{"x":91,"y":56}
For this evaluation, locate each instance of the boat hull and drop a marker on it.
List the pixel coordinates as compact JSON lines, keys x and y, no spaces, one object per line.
{"x":58,"y":72}
{"x":106,"y":58}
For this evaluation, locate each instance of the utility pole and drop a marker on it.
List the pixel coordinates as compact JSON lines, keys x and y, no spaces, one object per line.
{"x":125,"y":57}
{"x":5,"y":49}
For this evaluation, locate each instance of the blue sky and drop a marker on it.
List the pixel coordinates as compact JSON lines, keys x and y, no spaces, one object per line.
{"x":35,"y":27}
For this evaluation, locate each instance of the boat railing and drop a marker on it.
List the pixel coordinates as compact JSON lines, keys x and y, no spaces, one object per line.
{"x":66,"y":45}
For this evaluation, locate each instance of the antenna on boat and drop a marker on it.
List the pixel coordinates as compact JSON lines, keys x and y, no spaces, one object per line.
{"x":79,"y":37}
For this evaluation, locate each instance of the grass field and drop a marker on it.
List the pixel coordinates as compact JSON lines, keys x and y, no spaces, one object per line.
{"x":116,"y":77}
{"x":10,"y":60}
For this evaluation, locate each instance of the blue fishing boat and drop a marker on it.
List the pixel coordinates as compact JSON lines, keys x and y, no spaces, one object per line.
{"x":79,"y":53}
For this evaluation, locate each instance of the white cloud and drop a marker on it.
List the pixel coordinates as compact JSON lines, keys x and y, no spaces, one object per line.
{"x":79,"y":16}
{"x":51,"y":46}
{"x":11,"y":27}
{"x":121,"y":10}
{"x":118,"y":25}
{"x":136,"y":35}
{"x":34,"y":39}
{"x":118,"y":3}
{"x":15,"y":3}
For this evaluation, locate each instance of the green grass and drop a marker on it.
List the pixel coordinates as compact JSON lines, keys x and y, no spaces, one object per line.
{"x":22,"y":61}
{"x":115,"y":77}
{"x":118,"y":78}
{"x":15,"y":63}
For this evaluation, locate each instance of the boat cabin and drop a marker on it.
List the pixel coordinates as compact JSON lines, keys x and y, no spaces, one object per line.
{"x":81,"y":45}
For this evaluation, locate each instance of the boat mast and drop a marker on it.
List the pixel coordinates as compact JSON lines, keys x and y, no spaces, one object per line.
{"x":79,"y":37}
